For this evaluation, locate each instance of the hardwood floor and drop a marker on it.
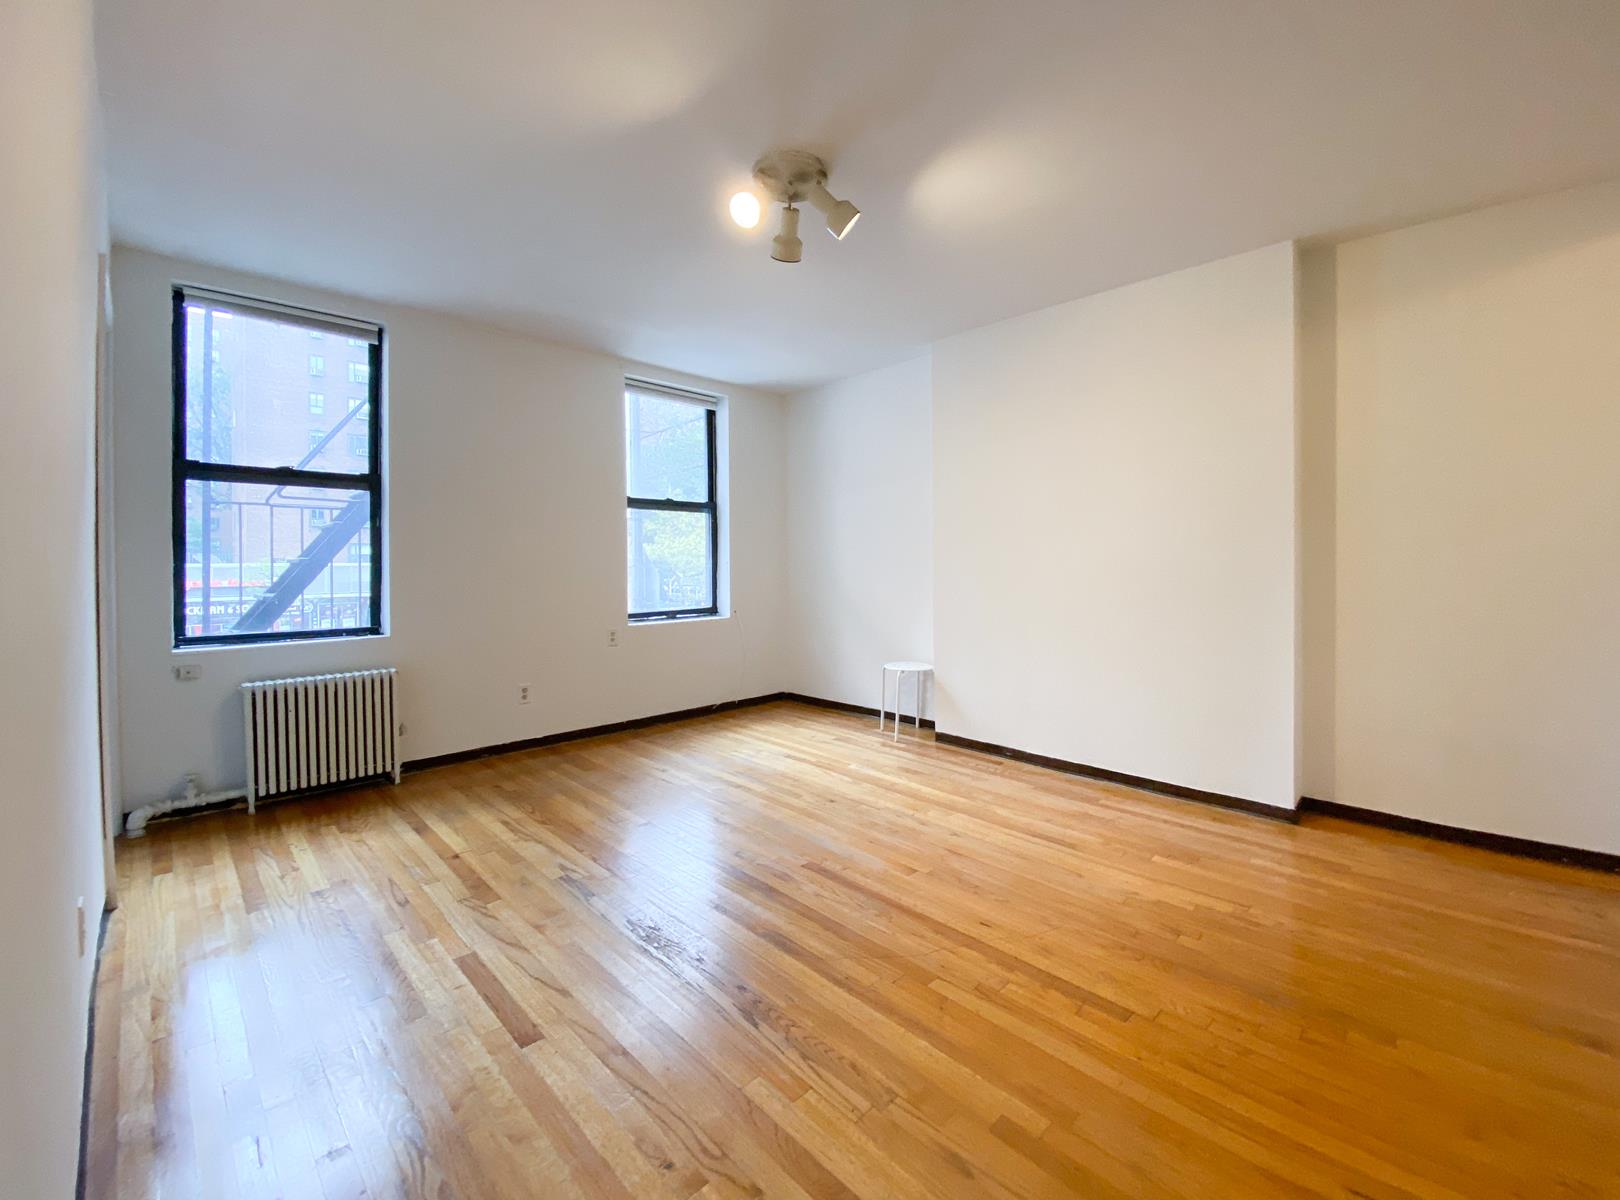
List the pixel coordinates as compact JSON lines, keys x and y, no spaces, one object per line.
{"x":770,"y":953}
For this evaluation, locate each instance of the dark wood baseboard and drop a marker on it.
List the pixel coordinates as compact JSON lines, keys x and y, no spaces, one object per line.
{"x":82,"y":1179}
{"x":574,"y":735}
{"x":1524,"y":847}
{"x":843,"y":706}
{"x":1180,"y":792}
{"x":1057,"y":764}
{"x":1597,"y":860}
{"x":411,"y":766}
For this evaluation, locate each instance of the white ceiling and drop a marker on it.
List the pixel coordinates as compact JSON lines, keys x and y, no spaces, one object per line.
{"x":562,"y":167}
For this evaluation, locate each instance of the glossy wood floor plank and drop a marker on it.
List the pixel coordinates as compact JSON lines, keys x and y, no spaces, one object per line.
{"x":771,"y":953}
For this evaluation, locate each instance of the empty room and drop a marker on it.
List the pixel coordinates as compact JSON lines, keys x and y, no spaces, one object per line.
{"x":679,"y":599}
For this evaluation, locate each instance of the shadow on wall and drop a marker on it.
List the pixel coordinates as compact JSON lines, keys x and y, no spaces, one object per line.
{"x":1460,"y":252}
{"x":1316,"y":362}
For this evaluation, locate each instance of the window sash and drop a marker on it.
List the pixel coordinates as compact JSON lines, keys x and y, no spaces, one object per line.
{"x":287,"y":314}
{"x":669,"y":391}
{"x":186,"y":469}
{"x":711,"y":506}
{"x":704,"y":404}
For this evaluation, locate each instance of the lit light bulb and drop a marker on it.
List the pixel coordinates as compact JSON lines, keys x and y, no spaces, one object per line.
{"x":745,"y":209}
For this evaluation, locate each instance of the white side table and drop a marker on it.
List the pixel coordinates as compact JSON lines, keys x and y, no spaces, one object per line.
{"x":921,"y":671}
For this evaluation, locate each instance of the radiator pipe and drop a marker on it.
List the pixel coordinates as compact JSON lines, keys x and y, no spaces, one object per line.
{"x":192,"y":797}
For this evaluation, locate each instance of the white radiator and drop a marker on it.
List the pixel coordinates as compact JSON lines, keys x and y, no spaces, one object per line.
{"x":317,"y":730}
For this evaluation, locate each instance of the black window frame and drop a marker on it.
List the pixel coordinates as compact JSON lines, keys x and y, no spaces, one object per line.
{"x":186,"y":470}
{"x":710,"y":506}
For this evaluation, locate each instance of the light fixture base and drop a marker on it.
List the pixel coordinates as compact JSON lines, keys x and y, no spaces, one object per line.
{"x":789,"y":176}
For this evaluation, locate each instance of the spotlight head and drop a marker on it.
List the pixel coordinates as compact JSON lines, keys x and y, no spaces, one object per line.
{"x":745,"y":209}
{"x":842,"y":219}
{"x":786,"y":246}
{"x":841,"y":214}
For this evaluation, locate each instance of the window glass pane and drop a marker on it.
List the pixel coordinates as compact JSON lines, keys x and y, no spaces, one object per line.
{"x":248,"y":397}
{"x":670,"y":561}
{"x":262,"y":559}
{"x":345,"y":447}
{"x":668,"y":447}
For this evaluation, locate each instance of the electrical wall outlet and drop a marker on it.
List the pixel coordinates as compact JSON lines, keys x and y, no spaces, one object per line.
{"x":613,"y":637}
{"x":523,"y":693}
{"x":188,"y":672}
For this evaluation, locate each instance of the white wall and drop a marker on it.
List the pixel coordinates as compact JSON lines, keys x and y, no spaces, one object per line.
{"x":860,"y":505}
{"x":1114,"y":529}
{"x":1478,"y":520}
{"x":51,"y":229}
{"x":506,"y":536}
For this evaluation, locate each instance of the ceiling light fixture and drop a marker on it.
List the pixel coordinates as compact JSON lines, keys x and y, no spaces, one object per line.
{"x":789,"y":177}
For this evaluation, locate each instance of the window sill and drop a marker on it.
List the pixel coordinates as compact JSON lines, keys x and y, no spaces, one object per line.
{"x":695,"y":618}
{"x":250,"y":644}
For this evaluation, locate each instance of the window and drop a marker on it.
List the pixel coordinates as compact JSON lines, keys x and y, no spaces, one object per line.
{"x":277,"y":531}
{"x":359,"y":373}
{"x":674,"y":518}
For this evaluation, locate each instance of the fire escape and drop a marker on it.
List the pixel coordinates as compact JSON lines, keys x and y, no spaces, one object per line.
{"x":316,"y":557}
